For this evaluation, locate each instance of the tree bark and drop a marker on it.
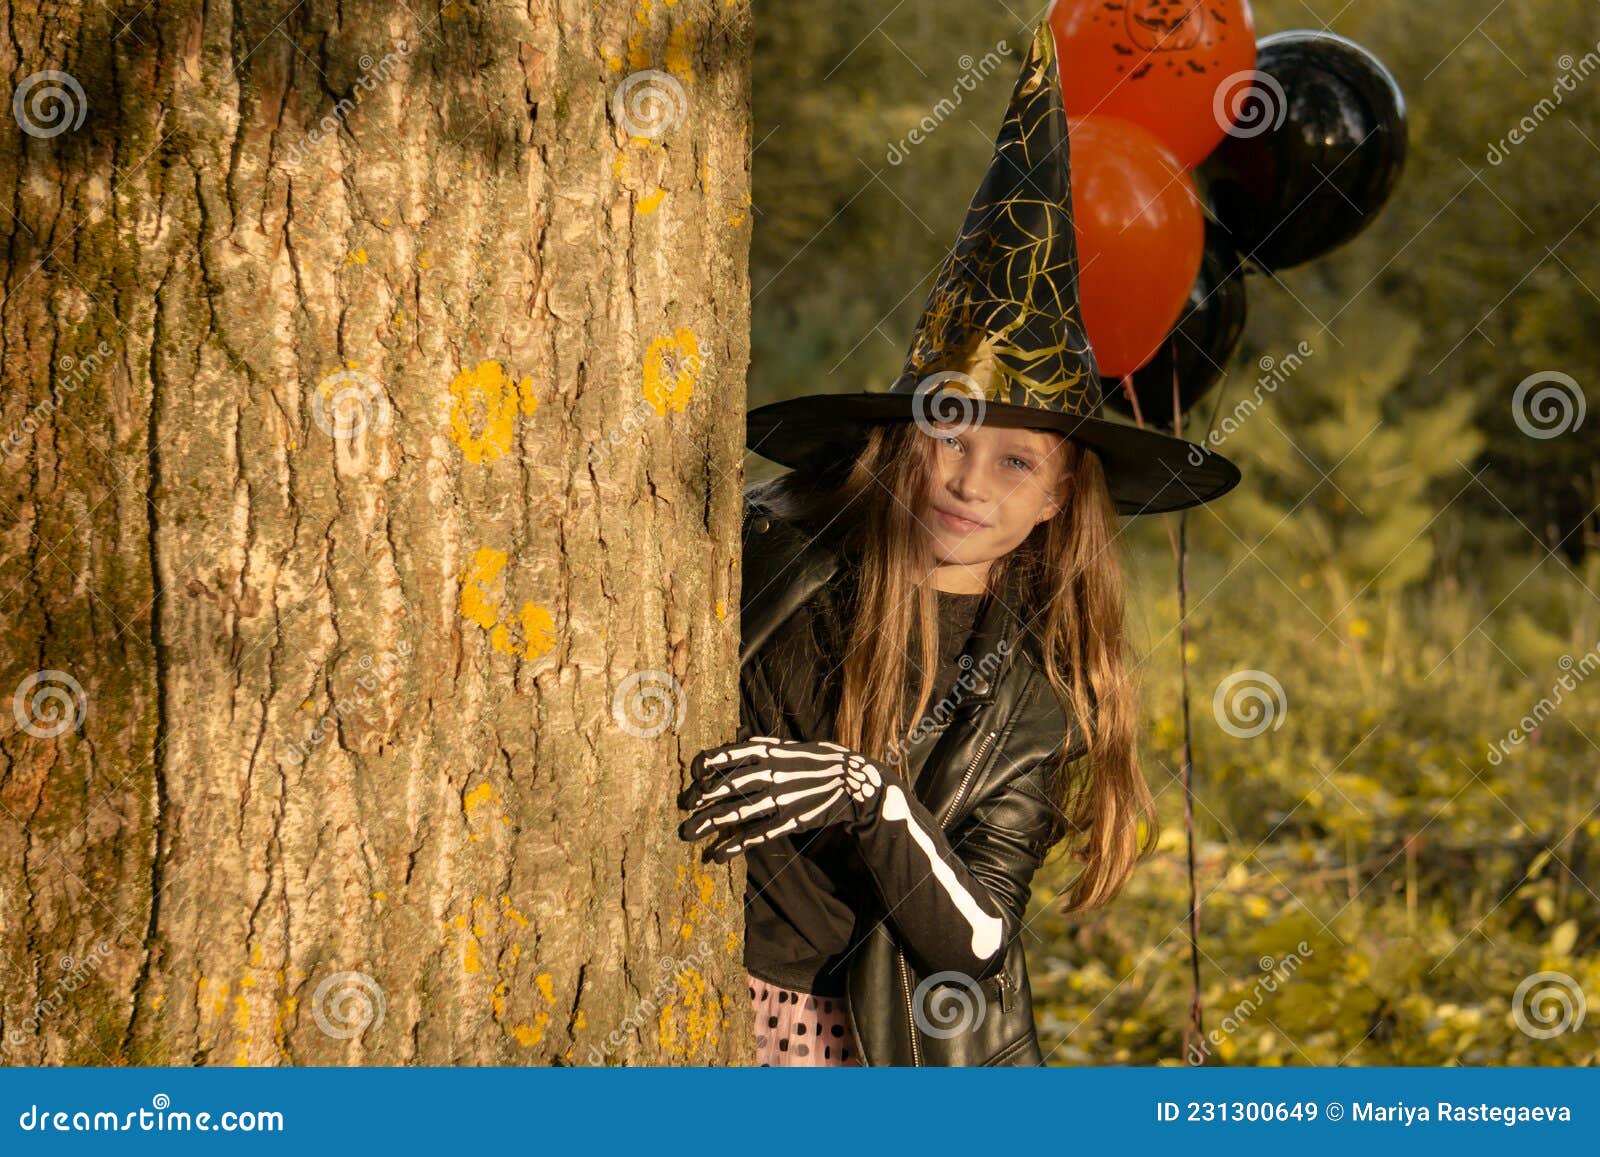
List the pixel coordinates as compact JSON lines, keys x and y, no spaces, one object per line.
{"x":370,"y":490}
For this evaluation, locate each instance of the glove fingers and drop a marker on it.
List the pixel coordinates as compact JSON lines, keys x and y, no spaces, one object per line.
{"x":746,"y":793}
{"x":714,"y":761}
{"x":756,"y":793}
{"x":725,"y":814}
{"x":745,"y":779}
{"x":808,"y":806}
{"x":741,"y":778}
{"x":790,"y":821}
{"x":800,"y":800}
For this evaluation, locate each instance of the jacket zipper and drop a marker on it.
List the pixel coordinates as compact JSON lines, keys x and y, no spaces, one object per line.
{"x":911,"y":1015}
{"x":966,"y":778}
{"x":1002,"y":978}
{"x":900,"y":953}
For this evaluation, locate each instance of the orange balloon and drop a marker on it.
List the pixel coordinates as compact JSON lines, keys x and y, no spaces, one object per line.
{"x":1141,"y":234}
{"x":1168,"y":66}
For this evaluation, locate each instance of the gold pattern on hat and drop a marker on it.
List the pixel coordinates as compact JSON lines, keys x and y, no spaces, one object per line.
{"x":1010,"y":283}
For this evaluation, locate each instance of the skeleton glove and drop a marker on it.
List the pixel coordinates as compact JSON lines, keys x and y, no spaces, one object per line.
{"x":758,"y":789}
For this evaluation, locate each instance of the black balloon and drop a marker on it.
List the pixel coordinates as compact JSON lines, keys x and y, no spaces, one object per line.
{"x":1316,"y":149}
{"x":1200,"y":345}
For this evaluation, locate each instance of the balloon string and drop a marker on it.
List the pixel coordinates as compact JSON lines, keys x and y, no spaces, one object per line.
{"x":1194,"y":1023}
{"x":1133,"y":400}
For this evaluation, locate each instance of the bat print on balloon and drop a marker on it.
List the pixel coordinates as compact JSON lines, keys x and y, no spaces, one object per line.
{"x":1182,"y":32}
{"x":1155,"y":63}
{"x":1165,"y":26}
{"x":764,"y":788}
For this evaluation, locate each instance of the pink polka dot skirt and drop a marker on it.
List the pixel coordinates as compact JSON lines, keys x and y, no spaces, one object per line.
{"x":797,"y":1028}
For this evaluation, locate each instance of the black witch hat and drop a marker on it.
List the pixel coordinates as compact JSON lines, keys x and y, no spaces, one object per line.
{"x":1001,"y":340}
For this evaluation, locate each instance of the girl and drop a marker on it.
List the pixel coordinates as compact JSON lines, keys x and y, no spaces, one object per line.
{"x":933,"y":685}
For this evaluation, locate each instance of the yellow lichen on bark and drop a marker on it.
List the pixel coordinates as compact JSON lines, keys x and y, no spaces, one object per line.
{"x":530,"y":634}
{"x":484,"y":405}
{"x":671,"y":368}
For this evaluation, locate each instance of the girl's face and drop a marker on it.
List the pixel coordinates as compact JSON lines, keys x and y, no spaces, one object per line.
{"x":990,"y":486}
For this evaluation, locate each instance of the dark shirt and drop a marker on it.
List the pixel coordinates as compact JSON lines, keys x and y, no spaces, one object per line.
{"x":802,"y":893}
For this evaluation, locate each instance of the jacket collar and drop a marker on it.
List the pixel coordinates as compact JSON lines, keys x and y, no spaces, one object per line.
{"x":991,"y":647}
{"x":784,"y":563}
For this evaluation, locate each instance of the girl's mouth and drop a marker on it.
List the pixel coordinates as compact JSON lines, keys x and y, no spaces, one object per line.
{"x":956,"y":522}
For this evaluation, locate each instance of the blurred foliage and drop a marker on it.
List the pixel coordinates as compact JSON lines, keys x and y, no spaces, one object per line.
{"x":1427,"y":881}
{"x":1343,"y":479}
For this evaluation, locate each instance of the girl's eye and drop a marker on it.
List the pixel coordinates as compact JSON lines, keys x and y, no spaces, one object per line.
{"x":951,"y":441}
{"x":1024,"y":463}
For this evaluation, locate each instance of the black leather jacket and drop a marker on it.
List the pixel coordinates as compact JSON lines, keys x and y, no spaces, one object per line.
{"x":986,"y":778}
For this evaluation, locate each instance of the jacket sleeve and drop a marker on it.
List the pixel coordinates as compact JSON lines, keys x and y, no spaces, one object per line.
{"x":981,"y":883}
{"x":761,"y":711}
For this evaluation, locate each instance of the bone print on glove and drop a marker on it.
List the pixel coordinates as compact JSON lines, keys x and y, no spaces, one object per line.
{"x":749,"y":792}
{"x":761,"y":788}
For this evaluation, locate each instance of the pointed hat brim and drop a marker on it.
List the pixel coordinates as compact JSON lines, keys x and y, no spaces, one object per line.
{"x":1147,"y":472}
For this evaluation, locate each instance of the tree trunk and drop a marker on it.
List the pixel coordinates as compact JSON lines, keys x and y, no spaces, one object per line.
{"x":369,"y":504}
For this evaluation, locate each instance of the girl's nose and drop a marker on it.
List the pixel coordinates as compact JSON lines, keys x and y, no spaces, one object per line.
{"x":968,"y":479}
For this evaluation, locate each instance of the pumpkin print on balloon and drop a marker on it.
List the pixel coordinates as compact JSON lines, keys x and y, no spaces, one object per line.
{"x":1165,"y":26}
{"x":1156,"y":63}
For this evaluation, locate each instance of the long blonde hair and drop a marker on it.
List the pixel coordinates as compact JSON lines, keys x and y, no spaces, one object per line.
{"x":1068,"y":566}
